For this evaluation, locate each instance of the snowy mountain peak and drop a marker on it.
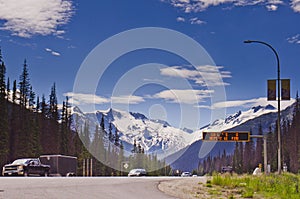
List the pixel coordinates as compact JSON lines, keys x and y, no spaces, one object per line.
{"x":268,"y":107}
{"x":155,"y":136}
{"x":138,"y":116}
{"x":237,"y":119}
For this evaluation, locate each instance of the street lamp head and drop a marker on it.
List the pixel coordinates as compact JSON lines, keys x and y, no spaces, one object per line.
{"x":247,"y":41}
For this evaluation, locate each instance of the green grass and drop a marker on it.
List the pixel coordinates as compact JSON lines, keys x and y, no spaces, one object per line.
{"x":270,"y":186}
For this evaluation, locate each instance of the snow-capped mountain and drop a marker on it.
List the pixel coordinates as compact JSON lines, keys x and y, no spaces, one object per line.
{"x":155,"y":136}
{"x":250,"y":120}
{"x":238,"y":119}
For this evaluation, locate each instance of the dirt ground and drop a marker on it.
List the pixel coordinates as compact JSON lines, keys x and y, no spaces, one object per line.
{"x":185,"y":188}
{"x":195,"y":188}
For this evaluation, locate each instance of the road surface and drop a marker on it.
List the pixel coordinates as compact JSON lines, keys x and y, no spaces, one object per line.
{"x":82,"y":187}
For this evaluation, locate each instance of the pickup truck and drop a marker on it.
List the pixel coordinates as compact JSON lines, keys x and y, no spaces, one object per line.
{"x":26,"y":167}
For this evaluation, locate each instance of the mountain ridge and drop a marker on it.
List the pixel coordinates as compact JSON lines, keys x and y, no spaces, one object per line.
{"x":158,"y":136}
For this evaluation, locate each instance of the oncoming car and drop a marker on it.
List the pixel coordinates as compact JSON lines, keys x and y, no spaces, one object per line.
{"x":137,"y":172}
{"x":186,"y":174}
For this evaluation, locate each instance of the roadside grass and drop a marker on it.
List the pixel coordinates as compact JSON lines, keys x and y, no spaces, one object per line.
{"x":285,"y":186}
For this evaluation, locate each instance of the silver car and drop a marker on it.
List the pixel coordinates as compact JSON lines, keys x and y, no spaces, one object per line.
{"x":137,"y":172}
{"x":186,"y":174}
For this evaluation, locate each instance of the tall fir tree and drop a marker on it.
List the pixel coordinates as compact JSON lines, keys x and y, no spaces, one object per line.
{"x":2,"y":80}
{"x":53,"y":109}
{"x":44,"y":107}
{"x":8,"y":90}
{"x":24,"y":86}
{"x":14,"y":94}
{"x":31,"y":98}
{"x":4,"y":130}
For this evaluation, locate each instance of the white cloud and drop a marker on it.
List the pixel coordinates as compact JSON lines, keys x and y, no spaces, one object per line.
{"x":127,"y":99}
{"x":35,"y":17}
{"x":272,"y":7}
{"x":196,"y":21}
{"x":202,"y":75}
{"x":262,"y":101}
{"x":294,"y":39}
{"x":83,"y":98}
{"x":183,"y":96}
{"x":295,"y":4}
{"x":201,"y":5}
{"x":55,"y":53}
{"x":52,"y":52}
{"x":180,"y":19}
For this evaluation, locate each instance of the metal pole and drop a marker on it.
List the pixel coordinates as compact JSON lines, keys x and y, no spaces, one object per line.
{"x":87,"y":167}
{"x":265,"y":155}
{"x":83,"y":168}
{"x":278,"y":99}
{"x":91,"y":172}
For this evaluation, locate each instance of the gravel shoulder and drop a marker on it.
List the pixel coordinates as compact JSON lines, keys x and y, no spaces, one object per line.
{"x":185,"y":188}
{"x":197,"y":188}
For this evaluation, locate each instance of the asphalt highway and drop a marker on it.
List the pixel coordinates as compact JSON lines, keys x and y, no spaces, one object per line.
{"x":82,"y":187}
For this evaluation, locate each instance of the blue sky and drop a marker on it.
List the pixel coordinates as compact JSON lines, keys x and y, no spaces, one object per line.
{"x":56,"y":36}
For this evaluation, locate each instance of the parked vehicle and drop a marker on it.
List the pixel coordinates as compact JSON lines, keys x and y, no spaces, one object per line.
{"x":227,"y":169}
{"x":61,"y":165}
{"x":137,"y":172}
{"x":26,"y":167}
{"x":186,"y":174}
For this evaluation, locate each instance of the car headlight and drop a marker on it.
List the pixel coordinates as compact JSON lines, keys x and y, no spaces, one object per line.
{"x":20,"y":167}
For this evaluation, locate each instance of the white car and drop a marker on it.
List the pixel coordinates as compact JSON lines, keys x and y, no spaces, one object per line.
{"x":137,"y":172}
{"x":186,"y":174}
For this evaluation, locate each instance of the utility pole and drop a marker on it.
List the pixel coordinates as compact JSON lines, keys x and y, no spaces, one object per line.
{"x":278,"y":99}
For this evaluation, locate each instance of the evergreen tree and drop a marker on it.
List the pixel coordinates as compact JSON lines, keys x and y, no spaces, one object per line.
{"x":4,"y":130}
{"x":97,"y":149}
{"x":31,"y":98}
{"x":8,"y":89}
{"x":24,"y":86}
{"x":248,"y":157}
{"x":44,"y":106}
{"x":121,"y":159}
{"x":14,"y":94}
{"x":116,"y":138}
{"x":2,"y":80}
{"x":53,"y":110}
{"x":37,"y":109}
{"x":238,"y":157}
{"x":65,"y":129}
{"x":134,"y":150}
{"x":272,"y":145}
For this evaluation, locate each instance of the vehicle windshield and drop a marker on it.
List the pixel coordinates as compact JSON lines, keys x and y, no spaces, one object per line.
{"x":21,"y":161}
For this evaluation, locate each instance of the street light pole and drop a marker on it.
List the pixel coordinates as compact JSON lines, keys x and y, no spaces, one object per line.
{"x":278,"y":106}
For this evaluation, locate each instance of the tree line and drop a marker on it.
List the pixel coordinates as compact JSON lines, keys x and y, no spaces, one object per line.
{"x":106,"y":146}
{"x":31,"y":126}
{"x":247,"y":156}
